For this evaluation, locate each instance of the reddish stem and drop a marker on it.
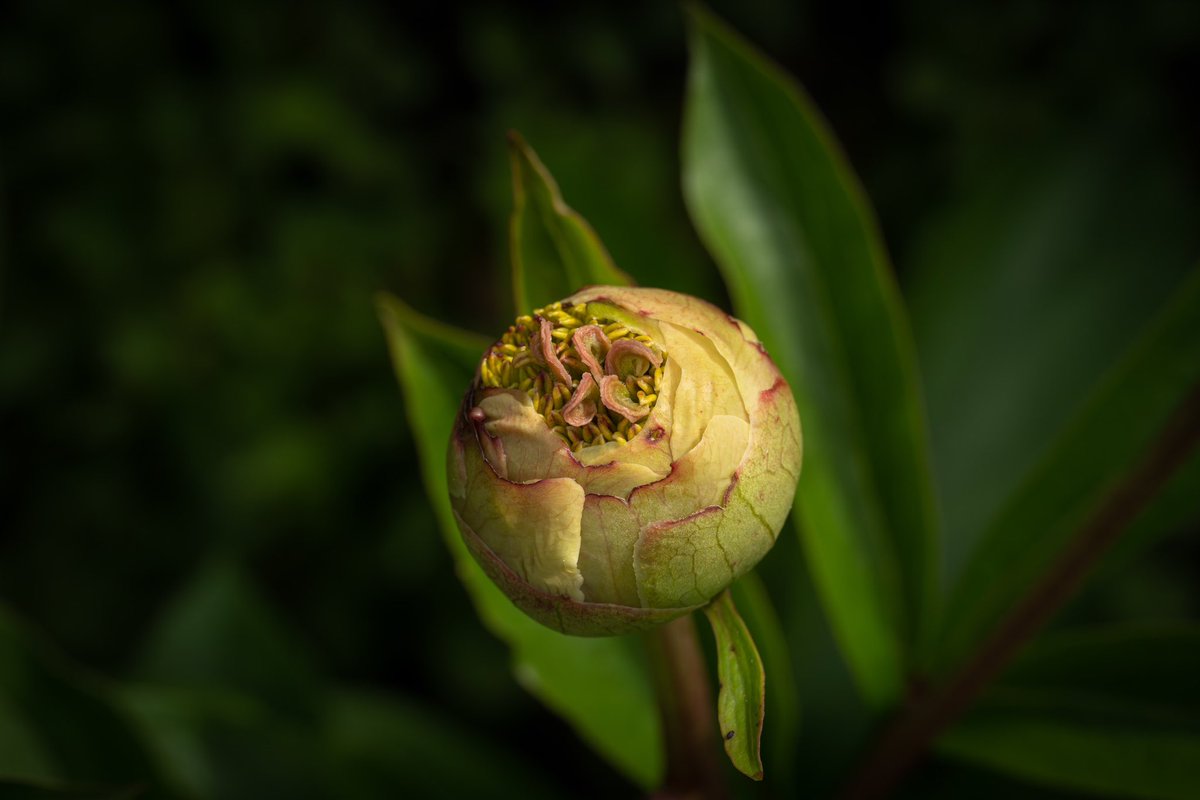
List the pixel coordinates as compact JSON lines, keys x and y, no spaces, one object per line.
{"x":687,"y":704}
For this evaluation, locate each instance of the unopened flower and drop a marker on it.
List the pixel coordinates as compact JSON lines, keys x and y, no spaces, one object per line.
{"x":621,"y":457}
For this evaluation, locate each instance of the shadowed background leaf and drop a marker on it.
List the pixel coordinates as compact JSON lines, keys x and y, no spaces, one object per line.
{"x":787,"y":222}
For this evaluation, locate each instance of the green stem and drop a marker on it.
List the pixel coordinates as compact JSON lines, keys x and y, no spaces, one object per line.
{"x":689,"y":721}
{"x":912,"y":733}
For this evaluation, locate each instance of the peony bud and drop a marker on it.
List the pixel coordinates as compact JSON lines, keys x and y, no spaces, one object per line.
{"x":621,"y":457}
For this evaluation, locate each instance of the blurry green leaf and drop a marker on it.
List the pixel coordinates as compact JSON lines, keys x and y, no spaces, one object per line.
{"x":1113,"y":763}
{"x":1043,"y":265}
{"x":58,"y":724}
{"x":36,"y":790}
{"x":1107,"y":439}
{"x":782,"y":727}
{"x":360,"y":744}
{"x":554,"y":250}
{"x":948,"y":779}
{"x":1113,"y":711}
{"x":220,"y":632}
{"x":386,"y":746}
{"x":780,"y":210}
{"x":600,"y":686}
{"x":1128,"y":675}
{"x":741,"y":701}
{"x":228,"y":743}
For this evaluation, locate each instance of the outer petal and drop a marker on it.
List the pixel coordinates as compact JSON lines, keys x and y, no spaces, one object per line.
{"x":533,"y":527}
{"x":698,"y":480}
{"x":534,"y":453}
{"x":532,"y":450}
{"x":610,"y":532}
{"x":704,"y":386}
{"x":727,"y":333}
{"x":562,"y":613}
{"x":689,"y":560}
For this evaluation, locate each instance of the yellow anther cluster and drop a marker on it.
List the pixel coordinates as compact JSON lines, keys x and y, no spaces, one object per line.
{"x":512,"y":363}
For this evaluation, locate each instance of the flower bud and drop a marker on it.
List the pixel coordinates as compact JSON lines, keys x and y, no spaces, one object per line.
{"x":621,"y":457}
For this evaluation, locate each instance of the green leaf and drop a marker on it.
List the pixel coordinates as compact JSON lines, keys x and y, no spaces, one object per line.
{"x":600,"y":686}
{"x":1133,"y":674}
{"x":387,"y":746}
{"x":59,"y":725}
{"x":782,"y":727}
{"x":1104,"y":762}
{"x":360,"y":744}
{"x":554,"y":251}
{"x":1074,"y":242}
{"x":36,"y":790}
{"x":782,"y":213}
{"x":220,"y":632}
{"x":1111,"y":711}
{"x":1108,"y":439}
{"x":228,"y":743}
{"x":741,"y":701}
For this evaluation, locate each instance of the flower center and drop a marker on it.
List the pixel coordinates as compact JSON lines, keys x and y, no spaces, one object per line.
{"x":593,"y":379}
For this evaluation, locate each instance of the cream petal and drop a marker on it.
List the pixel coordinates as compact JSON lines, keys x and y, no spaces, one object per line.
{"x":534,"y":528}
{"x":609,"y":535}
{"x":704,"y":386}
{"x":701,"y":478}
{"x":531,"y":450}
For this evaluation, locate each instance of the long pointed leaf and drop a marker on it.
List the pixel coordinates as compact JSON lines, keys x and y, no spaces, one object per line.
{"x":600,"y":686}
{"x":554,"y":251}
{"x":1108,"y":438}
{"x":783,"y":215}
{"x":742,"y":699}
{"x":782,"y":728}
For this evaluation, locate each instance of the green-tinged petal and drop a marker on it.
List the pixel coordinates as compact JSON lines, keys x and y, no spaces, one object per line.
{"x":705,"y":387}
{"x":532,"y":452}
{"x":610,"y":531}
{"x":766,"y":478}
{"x":562,"y":613}
{"x":643,"y":302}
{"x":685,"y":562}
{"x":701,"y":478}
{"x":689,"y":560}
{"x":531,"y":527}
{"x":603,"y":308}
{"x":616,"y":478}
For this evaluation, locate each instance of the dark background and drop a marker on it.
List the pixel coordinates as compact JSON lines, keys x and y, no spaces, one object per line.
{"x":206,"y":480}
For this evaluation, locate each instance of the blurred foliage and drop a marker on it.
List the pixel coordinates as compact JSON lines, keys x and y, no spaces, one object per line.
{"x":210,"y":495}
